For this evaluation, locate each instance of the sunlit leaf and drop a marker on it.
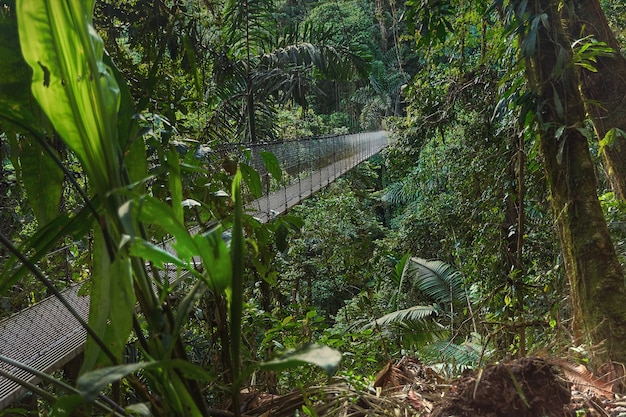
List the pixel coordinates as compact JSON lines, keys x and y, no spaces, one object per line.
{"x":71,"y":82}
{"x":216,"y":260}
{"x":322,"y":356}
{"x":153,"y":253}
{"x":153,"y":211}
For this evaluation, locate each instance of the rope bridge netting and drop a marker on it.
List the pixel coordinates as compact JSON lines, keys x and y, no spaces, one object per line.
{"x":46,"y":336}
{"x":309,"y":164}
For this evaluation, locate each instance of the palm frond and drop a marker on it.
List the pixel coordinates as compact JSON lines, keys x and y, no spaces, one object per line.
{"x":329,"y":61}
{"x":414,"y":313}
{"x":438,"y":281}
{"x":402,"y":192}
{"x":253,"y":16}
{"x":457,"y":357}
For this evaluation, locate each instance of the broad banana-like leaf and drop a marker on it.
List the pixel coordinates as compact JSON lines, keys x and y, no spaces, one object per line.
{"x":39,"y":173}
{"x":71,"y":83}
{"x":16,"y":102}
{"x":17,"y":106}
{"x":112,"y":304}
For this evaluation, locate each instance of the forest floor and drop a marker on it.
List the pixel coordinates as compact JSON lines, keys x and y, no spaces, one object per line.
{"x":527,"y":387}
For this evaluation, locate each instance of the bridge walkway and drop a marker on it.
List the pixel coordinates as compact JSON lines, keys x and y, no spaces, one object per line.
{"x":45,"y":336}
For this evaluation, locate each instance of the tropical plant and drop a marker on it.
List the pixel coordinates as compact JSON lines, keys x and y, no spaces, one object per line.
{"x":438,"y":290}
{"x":256,"y":68}
{"x":86,"y":100}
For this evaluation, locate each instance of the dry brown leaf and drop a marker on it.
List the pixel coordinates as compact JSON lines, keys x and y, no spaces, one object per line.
{"x":579,"y":375}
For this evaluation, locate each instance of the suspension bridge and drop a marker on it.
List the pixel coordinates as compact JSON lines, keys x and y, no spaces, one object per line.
{"x":45,"y":337}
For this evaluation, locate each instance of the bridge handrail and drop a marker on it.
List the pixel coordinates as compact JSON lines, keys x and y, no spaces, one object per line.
{"x":46,"y":336}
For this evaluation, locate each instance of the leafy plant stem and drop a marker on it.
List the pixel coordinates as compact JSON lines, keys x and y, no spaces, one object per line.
{"x":236,"y":304}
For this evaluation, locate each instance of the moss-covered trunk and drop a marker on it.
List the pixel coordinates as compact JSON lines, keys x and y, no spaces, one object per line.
{"x":596,"y":281}
{"x":604,"y":90}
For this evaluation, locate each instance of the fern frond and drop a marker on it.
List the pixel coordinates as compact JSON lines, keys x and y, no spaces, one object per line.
{"x":402,"y":192}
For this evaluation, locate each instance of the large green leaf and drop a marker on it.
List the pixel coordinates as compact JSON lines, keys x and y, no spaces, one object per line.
{"x":18,"y":106}
{"x":153,"y":253}
{"x":73,"y":86}
{"x":153,"y":211}
{"x":111,"y":306}
{"x":326,"y":358}
{"x":272,"y":165}
{"x":92,"y":383}
{"x":100,"y":302}
{"x":252,"y":179}
{"x":16,"y":103}
{"x":216,"y":259}
{"x":40,"y":172}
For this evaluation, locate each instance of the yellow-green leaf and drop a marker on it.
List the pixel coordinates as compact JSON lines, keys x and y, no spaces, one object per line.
{"x":71,"y":83}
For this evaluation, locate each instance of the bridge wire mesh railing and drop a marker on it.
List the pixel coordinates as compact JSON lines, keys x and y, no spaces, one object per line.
{"x":46,"y":337}
{"x":308,"y":164}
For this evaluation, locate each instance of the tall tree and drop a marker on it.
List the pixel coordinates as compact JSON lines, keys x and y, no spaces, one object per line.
{"x":595,"y":275}
{"x":256,"y":67}
{"x":557,"y":109}
{"x":604,"y":86}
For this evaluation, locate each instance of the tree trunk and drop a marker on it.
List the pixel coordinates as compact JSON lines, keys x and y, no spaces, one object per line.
{"x":596,"y":280}
{"x":604,"y":91}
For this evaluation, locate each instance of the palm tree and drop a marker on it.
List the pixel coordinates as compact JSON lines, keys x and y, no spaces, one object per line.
{"x":256,"y":68}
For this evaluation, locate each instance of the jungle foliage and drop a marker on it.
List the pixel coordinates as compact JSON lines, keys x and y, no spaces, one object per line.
{"x":449,"y":246}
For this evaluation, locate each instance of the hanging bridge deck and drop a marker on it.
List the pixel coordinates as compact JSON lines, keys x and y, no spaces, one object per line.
{"x":46,"y":336}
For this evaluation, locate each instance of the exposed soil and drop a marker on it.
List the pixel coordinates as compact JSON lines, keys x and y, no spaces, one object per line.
{"x":527,"y":387}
